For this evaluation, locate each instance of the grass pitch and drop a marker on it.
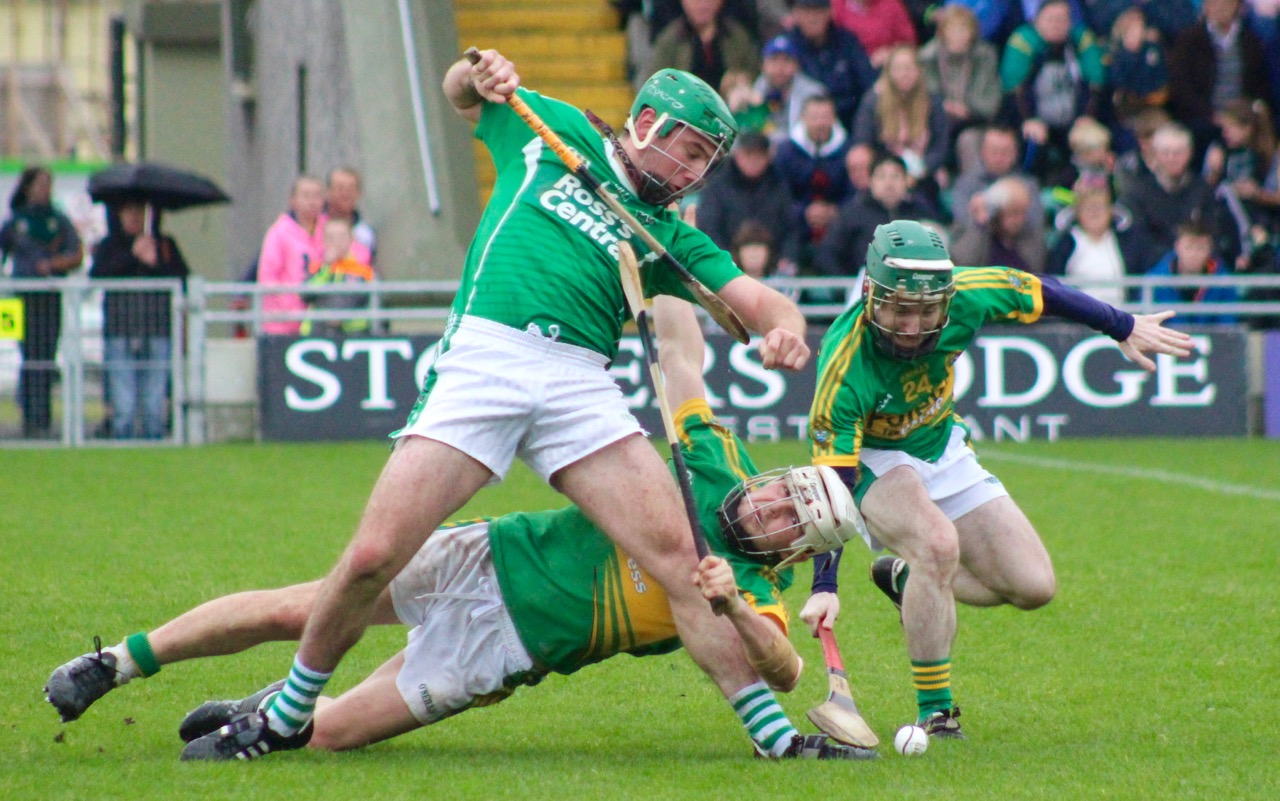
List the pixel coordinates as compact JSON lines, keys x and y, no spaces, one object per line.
{"x":1150,"y":676}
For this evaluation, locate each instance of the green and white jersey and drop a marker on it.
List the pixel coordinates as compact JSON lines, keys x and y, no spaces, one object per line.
{"x":546,"y":250}
{"x":576,"y":598}
{"x":865,"y":398}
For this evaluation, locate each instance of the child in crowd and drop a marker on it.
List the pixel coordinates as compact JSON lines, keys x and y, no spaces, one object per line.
{"x":1092,"y":162}
{"x":753,"y":250}
{"x":1091,"y":155}
{"x":1192,"y":255}
{"x":339,"y":266}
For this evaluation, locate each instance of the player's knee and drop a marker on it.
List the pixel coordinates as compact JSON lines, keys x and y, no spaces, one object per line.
{"x":938,"y":551}
{"x":370,"y":561}
{"x":1037,"y":592}
{"x":665,"y":551}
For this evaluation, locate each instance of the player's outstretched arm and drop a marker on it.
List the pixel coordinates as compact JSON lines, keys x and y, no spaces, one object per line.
{"x":767,"y":648}
{"x":1137,"y":334}
{"x":771,"y":314}
{"x":1150,"y":336}
{"x":492,"y":78}
{"x":681,"y":349}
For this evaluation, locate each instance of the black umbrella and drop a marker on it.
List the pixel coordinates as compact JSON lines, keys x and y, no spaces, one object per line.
{"x":158,"y":184}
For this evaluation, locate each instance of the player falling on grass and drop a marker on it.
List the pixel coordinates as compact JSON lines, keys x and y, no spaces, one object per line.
{"x":884,"y":417}
{"x":522,"y":369}
{"x":499,"y":603}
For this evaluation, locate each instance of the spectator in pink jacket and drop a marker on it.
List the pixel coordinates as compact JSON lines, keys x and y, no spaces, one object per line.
{"x":290,"y":249}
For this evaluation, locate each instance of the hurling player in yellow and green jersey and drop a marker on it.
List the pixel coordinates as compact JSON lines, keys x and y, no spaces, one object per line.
{"x":494,"y":604}
{"x":884,"y":417}
{"x":522,"y":370}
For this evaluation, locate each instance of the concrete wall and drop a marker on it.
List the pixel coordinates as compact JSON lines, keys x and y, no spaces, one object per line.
{"x":264,"y":153}
{"x":418,"y":242}
{"x":358,"y":113}
{"x":179,"y":129}
{"x":180,"y":115}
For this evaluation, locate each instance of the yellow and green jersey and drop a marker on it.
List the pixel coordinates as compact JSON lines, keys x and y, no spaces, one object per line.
{"x":546,"y":250}
{"x":864,"y":398}
{"x":576,"y":598}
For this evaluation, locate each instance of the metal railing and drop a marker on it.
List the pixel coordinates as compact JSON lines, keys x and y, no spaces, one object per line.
{"x":206,"y":311}
{"x":824,"y":298}
{"x":58,"y":366}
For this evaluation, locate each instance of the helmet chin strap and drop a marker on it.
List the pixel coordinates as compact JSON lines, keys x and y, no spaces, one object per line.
{"x":638,"y":179}
{"x":885,"y":344}
{"x":798,"y":555}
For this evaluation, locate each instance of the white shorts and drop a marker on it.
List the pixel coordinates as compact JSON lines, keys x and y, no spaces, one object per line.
{"x":463,"y":650}
{"x":501,"y":392}
{"x":956,"y":482}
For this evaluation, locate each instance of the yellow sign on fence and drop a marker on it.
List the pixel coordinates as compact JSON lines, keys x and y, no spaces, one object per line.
{"x":11,"y":318}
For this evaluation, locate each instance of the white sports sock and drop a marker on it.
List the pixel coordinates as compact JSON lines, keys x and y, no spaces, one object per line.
{"x":126,"y":668}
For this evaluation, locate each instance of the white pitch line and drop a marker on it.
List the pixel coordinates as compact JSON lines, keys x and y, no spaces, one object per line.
{"x":1163,"y":476}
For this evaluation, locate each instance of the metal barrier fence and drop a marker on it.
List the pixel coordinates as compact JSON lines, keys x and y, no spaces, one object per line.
{"x":87,"y":362}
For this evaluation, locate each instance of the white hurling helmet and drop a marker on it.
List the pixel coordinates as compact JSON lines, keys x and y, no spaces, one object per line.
{"x":824,"y":508}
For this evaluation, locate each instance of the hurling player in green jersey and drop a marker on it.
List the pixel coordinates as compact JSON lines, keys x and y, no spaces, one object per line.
{"x":522,"y":368}
{"x":498,"y":603}
{"x":884,"y":417}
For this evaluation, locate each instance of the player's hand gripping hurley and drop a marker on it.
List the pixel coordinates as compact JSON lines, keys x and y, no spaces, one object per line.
{"x":717,"y":308}
{"x":633,"y":289}
{"x":838,"y":716}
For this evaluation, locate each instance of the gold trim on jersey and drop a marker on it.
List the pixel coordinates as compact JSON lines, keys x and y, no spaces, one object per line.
{"x":694,"y":407}
{"x":837,"y":460}
{"x":774,"y":609}
{"x":467,"y":521}
{"x":1005,"y":278}
{"x":699,"y":409}
{"x":630,"y":608}
{"x":829,"y":384}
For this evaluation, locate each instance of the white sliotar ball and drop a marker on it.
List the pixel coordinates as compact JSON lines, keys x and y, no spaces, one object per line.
{"x":911,"y":741}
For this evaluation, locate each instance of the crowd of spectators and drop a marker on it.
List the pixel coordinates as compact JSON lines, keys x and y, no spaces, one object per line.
{"x":1095,"y":139}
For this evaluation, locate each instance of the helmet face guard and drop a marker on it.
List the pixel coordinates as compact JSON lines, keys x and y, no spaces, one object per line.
{"x":909,"y":287}
{"x":684,"y":105}
{"x":825,"y":514}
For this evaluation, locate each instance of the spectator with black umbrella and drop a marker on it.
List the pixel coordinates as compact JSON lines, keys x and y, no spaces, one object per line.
{"x":137,"y":323}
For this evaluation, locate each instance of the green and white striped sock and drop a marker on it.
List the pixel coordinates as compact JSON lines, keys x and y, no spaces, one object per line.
{"x":293,"y":706}
{"x":763,"y":718}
